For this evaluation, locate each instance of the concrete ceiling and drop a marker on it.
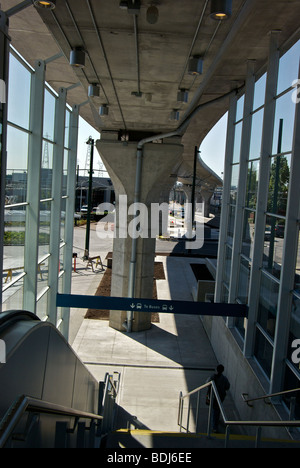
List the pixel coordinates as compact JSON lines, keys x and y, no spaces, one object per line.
{"x":127,"y":55}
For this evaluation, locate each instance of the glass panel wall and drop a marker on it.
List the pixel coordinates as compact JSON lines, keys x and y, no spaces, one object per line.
{"x":19,"y":89}
{"x":266,"y":226}
{"x":16,"y":204}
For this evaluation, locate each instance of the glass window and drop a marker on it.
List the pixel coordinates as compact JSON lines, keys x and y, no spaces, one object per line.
{"x":256,"y":134}
{"x":65,"y":173}
{"x":62,"y":219}
{"x":288,"y":68}
{"x":46,"y":173}
{"x":263,"y":351}
{"x":240,"y":108}
{"x":279,"y":184}
{"x":297,"y":270}
{"x":252,"y":184}
{"x":227,"y":271}
{"x":291,"y":382}
{"x":248,"y":233}
{"x":49,"y":116}
{"x":44,"y":233}
{"x":17,"y":164}
{"x":273,"y":245}
{"x":267,"y":307}
{"x":243,"y":284}
{"x":42,"y":274}
{"x":14,"y":240}
{"x":12,"y":298}
{"x":237,"y":142}
{"x":225,"y":293}
{"x":230,"y":228}
{"x":42,"y":307}
{"x":19,"y":87}
{"x":67,"y":128}
{"x":259,"y":92}
{"x":234,"y":183}
{"x":294,"y":329}
{"x":285,"y":111}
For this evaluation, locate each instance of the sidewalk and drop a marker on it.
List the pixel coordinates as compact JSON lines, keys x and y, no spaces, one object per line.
{"x":174,"y":356}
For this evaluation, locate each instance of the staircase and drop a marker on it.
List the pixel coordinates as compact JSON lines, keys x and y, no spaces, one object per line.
{"x":52,"y":401}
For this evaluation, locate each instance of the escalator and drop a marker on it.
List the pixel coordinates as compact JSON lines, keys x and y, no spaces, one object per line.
{"x":48,"y":398}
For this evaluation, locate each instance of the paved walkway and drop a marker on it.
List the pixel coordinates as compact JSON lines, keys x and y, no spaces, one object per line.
{"x":155,"y":365}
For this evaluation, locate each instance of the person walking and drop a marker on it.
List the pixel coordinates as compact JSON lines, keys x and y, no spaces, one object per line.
{"x":223,"y":385}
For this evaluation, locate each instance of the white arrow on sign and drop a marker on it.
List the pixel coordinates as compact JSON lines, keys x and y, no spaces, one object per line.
{"x":132,"y":306}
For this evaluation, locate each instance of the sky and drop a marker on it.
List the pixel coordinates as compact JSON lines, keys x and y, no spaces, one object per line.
{"x":213,"y":147}
{"x":84,"y":132}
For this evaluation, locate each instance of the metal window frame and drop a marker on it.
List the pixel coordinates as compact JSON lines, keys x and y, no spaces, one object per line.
{"x":289,"y":260}
{"x":55,"y":218}
{"x":4,"y":72}
{"x":266,"y":150}
{"x":242,"y":185}
{"x":225,"y":198}
{"x":33,"y":186}
{"x":69,"y":217}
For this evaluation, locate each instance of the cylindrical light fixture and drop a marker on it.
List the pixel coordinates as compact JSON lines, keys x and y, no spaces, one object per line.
{"x":50,"y":5}
{"x":77,"y":57}
{"x":174,"y":115}
{"x":94,"y":90}
{"x":196,"y":65}
{"x":182,"y":95}
{"x":104,"y":110}
{"x":220,"y":9}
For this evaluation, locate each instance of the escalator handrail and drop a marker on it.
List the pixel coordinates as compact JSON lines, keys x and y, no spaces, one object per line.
{"x":7,"y":318}
{"x":26,"y":403}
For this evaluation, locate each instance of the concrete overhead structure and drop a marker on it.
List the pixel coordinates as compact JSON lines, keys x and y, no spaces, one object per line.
{"x":140,"y":63}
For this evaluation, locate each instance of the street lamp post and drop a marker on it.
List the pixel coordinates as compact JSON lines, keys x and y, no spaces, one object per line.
{"x":88,"y":220}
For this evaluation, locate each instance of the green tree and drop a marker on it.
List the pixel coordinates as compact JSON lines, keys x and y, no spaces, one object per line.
{"x":278,"y":185}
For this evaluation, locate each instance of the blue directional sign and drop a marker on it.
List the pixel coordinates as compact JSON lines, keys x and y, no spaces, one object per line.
{"x":151,"y":305}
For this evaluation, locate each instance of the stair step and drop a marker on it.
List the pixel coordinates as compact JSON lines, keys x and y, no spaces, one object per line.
{"x":125,"y":438}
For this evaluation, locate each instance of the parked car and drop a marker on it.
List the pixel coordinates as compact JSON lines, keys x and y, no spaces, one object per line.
{"x":267,"y":234}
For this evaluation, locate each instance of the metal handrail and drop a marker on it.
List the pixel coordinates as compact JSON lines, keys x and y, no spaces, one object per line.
{"x":26,"y":403}
{"x":286,"y":392}
{"x":228,"y":423}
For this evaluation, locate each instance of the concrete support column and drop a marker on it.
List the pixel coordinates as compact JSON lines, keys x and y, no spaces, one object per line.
{"x":206,"y":197}
{"x":120,"y":160}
